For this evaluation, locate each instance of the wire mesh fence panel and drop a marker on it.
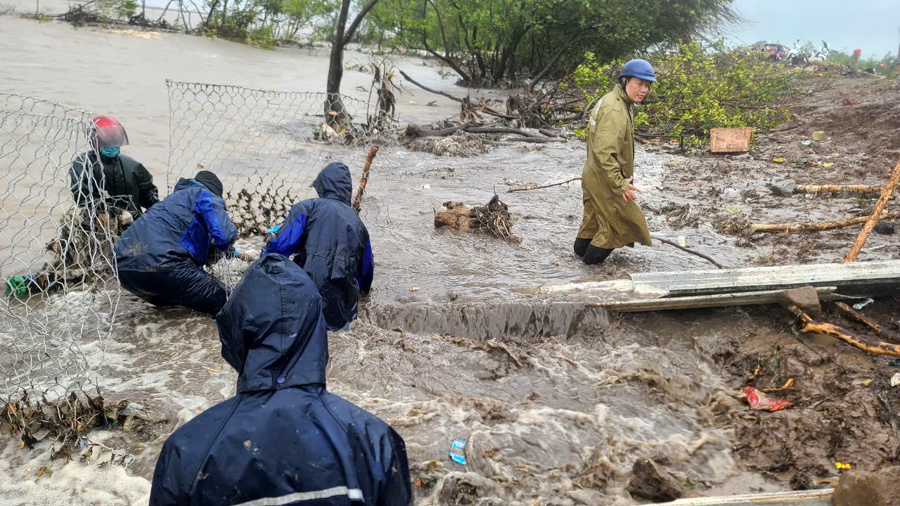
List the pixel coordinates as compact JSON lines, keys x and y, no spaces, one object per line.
{"x":266,"y":146}
{"x":60,"y":290}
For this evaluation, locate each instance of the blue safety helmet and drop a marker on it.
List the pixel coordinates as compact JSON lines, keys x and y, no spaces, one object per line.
{"x":639,"y":68}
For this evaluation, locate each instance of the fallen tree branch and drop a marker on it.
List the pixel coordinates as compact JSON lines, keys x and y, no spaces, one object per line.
{"x":535,"y":140}
{"x":364,"y":179}
{"x":528,"y":189}
{"x":415,"y":131}
{"x":688,"y":250}
{"x":825,"y":225}
{"x":886,"y":193}
{"x":836,"y":188}
{"x":812,"y":326}
{"x":854,"y":315}
{"x":486,"y":109}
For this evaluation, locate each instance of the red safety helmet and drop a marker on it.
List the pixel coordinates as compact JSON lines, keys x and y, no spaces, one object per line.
{"x":108,"y":132}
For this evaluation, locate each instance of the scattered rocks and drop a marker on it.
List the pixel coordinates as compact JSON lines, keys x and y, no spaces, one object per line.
{"x":805,"y":298}
{"x":872,"y":489}
{"x":648,"y":483}
{"x":884,"y":227}
{"x":783,"y":188}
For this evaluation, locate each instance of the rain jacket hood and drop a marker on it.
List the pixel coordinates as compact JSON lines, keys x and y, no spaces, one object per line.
{"x":283,"y":438}
{"x":271,"y":328}
{"x":334,"y":182}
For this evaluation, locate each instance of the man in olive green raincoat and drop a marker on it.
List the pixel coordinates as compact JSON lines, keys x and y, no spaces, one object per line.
{"x":612,"y":218}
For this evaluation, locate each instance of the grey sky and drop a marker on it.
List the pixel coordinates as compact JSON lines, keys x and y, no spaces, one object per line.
{"x":871,"y":25}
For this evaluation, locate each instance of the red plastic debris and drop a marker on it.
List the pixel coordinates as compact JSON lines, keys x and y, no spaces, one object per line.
{"x":758,"y":400}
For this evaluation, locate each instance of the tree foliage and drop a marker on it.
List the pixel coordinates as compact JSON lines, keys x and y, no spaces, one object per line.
{"x":700,"y":88}
{"x":265,"y":21}
{"x":497,"y":40}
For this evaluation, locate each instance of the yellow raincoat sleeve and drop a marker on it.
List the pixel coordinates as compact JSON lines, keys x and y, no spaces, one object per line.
{"x":609,"y":135}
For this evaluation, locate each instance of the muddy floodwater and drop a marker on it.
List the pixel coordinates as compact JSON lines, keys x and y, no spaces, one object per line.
{"x":556,"y":397}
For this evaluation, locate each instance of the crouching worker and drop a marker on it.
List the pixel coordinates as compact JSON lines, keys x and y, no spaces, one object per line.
{"x":160,"y":257}
{"x":330,"y":242}
{"x":104,"y":180}
{"x":283,"y":439}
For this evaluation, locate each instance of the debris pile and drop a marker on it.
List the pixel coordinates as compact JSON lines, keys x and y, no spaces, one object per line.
{"x":493,"y":218}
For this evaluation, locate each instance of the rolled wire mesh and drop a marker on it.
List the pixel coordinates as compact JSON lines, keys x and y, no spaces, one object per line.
{"x":60,"y":291}
{"x":267,"y":147}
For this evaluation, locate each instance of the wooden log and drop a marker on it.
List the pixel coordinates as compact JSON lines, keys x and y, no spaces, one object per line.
{"x":837,"y":188}
{"x":817,"y":226}
{"x":458,"y":217}
{"x":812,"y":326}
{"x":886,"y":193}
{"x":364,"y":179}
{"x":854,"y":315}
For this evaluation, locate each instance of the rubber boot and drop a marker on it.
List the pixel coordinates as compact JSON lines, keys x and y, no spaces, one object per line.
{"x":595,"y":255}
{"x":581,"y":245}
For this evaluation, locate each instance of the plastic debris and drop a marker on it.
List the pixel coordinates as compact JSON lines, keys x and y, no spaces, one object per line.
{"x":842,"y":465}
{"x":895,"y":379}
{"x":863,"y":304}
{"x":458,"y":452}
{"x":806,"y":143}
{"x":894,"y":363}
{"x":18,"y":286}
{"x":778,"y":159}
{"x":682,"y":241}
{"x":758,"y":400}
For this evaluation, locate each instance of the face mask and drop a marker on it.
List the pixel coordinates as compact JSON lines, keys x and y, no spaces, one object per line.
{"x":110,"y":152}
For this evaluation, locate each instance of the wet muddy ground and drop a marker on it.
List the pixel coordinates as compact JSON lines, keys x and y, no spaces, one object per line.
{"x":557,"y":399}
{"x":861,"y":121}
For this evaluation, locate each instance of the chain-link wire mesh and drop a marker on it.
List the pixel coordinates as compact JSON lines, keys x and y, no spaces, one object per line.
{"x":267,"y":148}
{"x":60,"y":291}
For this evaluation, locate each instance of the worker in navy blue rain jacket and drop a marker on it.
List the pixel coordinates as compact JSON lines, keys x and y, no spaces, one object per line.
{"x":330,"y":242}
{"x":160,"y":258}
{"x":283,"y":438}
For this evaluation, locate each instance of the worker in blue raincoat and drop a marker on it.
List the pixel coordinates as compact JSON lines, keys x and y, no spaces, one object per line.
{"x":331,"y":243}
{"x":283,"y":438}
{"x":160,"y":258}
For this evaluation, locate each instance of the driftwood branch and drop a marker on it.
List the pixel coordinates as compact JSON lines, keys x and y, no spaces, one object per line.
{"x":364,"y":179}
{"x":812,"y":326}
{"x":487,"y":109}
{"x":835,"y":188}
{"x":414,"y":131}
{"x":688,"y":250}
{"x":529,"y":188}
{"x":886,"y":193}
{"x":825,"y":225}
{"x":854,"y":315}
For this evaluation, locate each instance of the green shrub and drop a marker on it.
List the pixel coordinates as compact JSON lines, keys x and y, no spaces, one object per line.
{"x":701,"y":88}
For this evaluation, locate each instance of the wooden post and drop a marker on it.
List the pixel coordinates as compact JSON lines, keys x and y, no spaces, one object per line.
{"x":364,"y":179}
{"x":873,"y":220}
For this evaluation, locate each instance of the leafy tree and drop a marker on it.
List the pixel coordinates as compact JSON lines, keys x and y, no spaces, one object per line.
{"x":494,"y":41}
{"x":700,"y":88}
